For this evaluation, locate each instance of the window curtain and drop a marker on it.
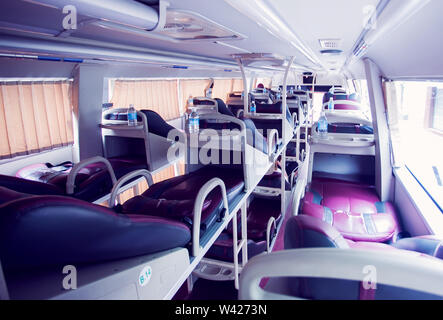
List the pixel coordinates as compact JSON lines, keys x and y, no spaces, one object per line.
{"x":160,"y":96}
{"x":237,"y":85}
{"x":192,"y":88}
{"x":222,"y":87}
{"x":35,"y":116}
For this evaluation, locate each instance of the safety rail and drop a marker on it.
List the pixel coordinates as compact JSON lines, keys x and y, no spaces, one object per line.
{"x":270,"y":236}
{"x":132,"y":175}
{"x":198,"y":208}
{"x":297,"y":195}
{"x":273,"y":141}
{"x":70,"y":182}
{"x":395,"y":268}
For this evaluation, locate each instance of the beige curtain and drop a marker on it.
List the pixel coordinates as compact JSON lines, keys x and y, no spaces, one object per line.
{"x":191,"y":89}
{"x":222,"y":87}
{"x":34,"y":116}
{"x":237,"y":85}
{"x":160,"y":96}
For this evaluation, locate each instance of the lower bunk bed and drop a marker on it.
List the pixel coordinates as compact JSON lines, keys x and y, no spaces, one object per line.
{"x":144,"y":248}
{"x":354,"y":209}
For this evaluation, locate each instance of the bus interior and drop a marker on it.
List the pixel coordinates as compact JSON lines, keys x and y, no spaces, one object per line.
{"x":221,"y":150}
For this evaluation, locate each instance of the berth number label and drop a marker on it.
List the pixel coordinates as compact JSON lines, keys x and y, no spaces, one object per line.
{"x":145,"y":276}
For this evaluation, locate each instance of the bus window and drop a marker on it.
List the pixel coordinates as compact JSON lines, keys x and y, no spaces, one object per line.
{"x":416,"y":123}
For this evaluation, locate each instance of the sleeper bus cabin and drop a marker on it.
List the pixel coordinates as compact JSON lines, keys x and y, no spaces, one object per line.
{"x":221,"y":150}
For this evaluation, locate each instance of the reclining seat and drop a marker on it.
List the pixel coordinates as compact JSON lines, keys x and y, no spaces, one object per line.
{"x":174,"y":198}
{"x":353,"y":209}
{"x":306,"y":232}
{"x":47,"y":231}
{"x":93,"y":181}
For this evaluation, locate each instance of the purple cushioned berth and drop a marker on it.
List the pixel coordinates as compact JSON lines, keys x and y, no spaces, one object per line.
{"x":307,"y":232}
{"x":44,"y":231}
{"x":174,"y":198}
{"x":91,"y":183}
{"x":353,"y":209}
{"x":259,"y":212}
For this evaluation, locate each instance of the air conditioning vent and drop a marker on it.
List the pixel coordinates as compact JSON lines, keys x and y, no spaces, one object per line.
{"x":330,"y":44}
{"x":185,"y":25}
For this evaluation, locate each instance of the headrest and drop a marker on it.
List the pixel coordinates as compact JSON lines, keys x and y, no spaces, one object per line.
{"x":304,"y":231}
{"x":156,"y":124}
{"x":222,"y":108}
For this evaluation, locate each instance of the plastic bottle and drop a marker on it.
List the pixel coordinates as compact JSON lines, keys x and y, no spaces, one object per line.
{"x":331,"y":104}
{"x":322,"y":126}
{"x":132,"y":116}
{"x":194,"y":122}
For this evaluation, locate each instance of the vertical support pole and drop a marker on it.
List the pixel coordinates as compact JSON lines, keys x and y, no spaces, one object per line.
{"x":176,"y":169}
{"x":284,"y":123}
{"x":244,"y":233}
{"x":190,"y":283}
{"x":383,"y":166}
{"x":235,"y":248}
{"x":4,"y":295}
{"x":245,"y":87}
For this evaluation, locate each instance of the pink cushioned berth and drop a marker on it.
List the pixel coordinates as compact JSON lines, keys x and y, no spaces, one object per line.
{"x":353,"y":209}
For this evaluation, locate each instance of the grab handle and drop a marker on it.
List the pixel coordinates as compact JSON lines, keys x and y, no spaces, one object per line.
{"x":198,"y":208}
{"x":70,"y":182}
{"x":131,"y":175}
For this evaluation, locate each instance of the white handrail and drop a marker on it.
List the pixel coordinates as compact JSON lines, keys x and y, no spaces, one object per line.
{"x":70,"y":181}
{"x":271,"y":222}
{"x":240,"y":112}
{"x":131,"y":175}
{"x":396,"y":268}
{"x":272,"y":143}
{"x":294,"y":120}
{"x":293,"y":178}
{"x":297,"y":195}
{"x":198,"y":207}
